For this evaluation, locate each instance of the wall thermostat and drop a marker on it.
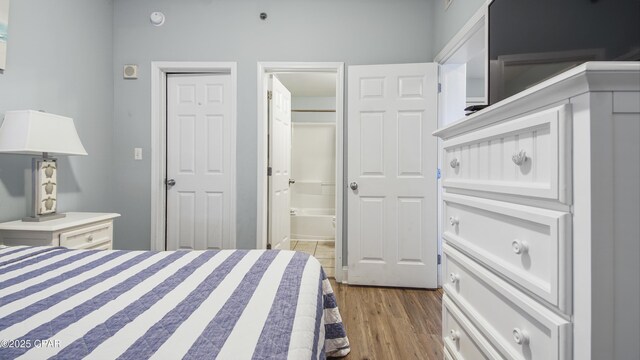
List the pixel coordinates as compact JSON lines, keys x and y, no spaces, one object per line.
{"x":157,"y":18}
{"x":130,"y":71}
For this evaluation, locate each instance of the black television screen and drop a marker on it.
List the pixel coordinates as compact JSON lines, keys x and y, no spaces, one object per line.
{"x":533,"y":40}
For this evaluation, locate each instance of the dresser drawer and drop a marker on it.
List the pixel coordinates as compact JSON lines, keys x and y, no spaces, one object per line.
{"x":527,"y":156}
{"x":527,"y":245}
{"x":461,"y":339}
{"x":92,"y":236}
{"x":516,"y":325}
{"x":447,"y":355}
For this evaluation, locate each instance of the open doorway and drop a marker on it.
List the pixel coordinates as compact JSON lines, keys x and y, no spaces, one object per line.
{"x":313,"y":165}
{"x":301,"y":168}
{"x":463,"y":82}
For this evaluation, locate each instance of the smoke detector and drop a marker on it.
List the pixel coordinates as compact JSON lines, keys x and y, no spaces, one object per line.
{"x":156,"y":18}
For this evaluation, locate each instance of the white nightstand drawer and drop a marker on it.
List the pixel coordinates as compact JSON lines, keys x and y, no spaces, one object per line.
{"x":529,"y":246}
{"x":516,"y":325}
{"x":88,"y":237}
{"x":67,"y":231}
{"x":527,"y":156}
{"x":103,"y":246}
{"x":461,"y":338}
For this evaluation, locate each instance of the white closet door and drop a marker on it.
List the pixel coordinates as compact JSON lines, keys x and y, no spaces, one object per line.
{"x":280,"y":164}
{"x":199,"y":130}
{"x":392,"y":203}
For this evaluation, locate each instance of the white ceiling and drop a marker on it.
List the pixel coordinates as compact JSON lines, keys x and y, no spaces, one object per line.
{"x":309,"y":84}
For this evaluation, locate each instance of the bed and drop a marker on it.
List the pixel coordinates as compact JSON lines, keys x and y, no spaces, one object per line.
{"x":228,"y":304}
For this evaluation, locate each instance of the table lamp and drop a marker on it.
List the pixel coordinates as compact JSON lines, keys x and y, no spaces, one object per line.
{"x":38,"y":133}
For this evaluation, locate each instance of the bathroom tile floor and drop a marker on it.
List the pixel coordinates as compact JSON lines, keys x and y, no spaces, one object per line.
{"x":324,"y":251}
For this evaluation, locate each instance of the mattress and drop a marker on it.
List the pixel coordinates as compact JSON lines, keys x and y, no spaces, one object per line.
{"x":229,"y":304}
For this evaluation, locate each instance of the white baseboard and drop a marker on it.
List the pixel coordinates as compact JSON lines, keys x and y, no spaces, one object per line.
{"x":345,"y":275}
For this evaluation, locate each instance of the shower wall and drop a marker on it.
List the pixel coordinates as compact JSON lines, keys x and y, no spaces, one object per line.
{"x":313,"y":167}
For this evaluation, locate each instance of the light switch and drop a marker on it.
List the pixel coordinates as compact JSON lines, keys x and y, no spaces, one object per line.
{"x":137,"y":153}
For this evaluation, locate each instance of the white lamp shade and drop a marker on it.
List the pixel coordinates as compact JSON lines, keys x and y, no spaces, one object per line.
{"x":33,"y":133}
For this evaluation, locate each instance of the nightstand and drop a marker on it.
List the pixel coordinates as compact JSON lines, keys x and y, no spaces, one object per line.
{"x":78,"y":230}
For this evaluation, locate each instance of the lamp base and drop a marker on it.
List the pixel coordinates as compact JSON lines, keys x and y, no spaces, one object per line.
{"x":40,"y":218}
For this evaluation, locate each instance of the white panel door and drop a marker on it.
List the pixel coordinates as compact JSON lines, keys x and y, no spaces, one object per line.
{"x":453,"y":97}
{"x":392,"y":200}
{"x":199,"y":130}
{"x":280,"y":164}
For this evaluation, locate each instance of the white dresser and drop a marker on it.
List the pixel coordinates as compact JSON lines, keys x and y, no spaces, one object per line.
{"x":77,"y":230}
{"x":542,"y":221}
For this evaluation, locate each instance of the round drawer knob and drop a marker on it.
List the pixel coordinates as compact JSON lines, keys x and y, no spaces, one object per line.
{"x":90,"y":238}
{"x":521,"y":337}
{"x":454,"y":221}
{"x":454,"y":335}
{"x":454,"y":278}
{"x":454,"y":163}
{"x":519,"y":247}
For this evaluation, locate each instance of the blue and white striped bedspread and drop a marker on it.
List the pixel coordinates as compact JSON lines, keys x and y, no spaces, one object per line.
{"x":229,"y":304}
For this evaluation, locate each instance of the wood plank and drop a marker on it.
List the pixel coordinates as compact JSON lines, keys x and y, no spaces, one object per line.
{"x":391,"y":323}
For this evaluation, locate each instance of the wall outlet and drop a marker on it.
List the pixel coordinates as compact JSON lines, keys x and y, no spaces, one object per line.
{"x":447,"y":3}
{"x":137,"y":154}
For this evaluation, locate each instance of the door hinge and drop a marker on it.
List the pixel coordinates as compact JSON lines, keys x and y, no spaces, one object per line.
{"x":439,"y":259}
{"x":269,"y":171}
{"x":439,"y":87}
{"x":269,"y":94}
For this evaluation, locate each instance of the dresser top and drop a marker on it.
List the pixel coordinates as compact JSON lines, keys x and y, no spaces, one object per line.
{"x":71,"y":220}
{"x":590,"y":76}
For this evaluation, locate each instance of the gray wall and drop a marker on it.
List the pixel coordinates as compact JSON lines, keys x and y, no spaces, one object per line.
{"x":475,"y":87}
{"x":350,"y":31}
{"x":447,"y":23}
{"x":59,"y":59}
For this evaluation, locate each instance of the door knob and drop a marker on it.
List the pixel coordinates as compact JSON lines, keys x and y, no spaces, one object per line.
{"x":170,"y":182}
{"x":354,"y":186}
{"x":291,"y":181}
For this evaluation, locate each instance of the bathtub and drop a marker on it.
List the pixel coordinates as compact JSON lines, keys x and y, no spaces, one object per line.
{"x":313,"y":224}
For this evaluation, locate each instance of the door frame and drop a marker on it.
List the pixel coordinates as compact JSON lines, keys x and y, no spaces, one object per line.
{"x":265,"y":69}
{"x":159,"y":72}
{"x":479,"y":20}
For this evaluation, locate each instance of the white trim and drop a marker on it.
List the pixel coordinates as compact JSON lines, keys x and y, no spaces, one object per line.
{"x":478,"y":19}
{"x":345,"y":275}
{"x":159,"y":71}
{"x":265,"y":68}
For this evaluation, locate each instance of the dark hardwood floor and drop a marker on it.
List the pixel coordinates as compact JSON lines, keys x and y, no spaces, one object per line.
{"x":387,"y":324}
